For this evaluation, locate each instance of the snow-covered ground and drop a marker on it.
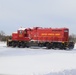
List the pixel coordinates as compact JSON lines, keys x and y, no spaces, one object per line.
{"x":38,"y":61}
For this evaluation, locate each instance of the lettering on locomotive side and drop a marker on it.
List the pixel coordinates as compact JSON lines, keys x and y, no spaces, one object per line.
{"x":44,"y":34}
{"x":57,"y":34}
{"x":51,"y":34}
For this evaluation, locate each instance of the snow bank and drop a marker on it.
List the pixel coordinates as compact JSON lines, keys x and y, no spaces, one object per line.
{"x":26,"y":61}
{"x":2,"y":44}
{"x":65,"y":72}
{"x":37,"y":64}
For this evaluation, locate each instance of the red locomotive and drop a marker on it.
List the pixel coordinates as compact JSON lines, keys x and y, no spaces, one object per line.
{"x":42,"y":37}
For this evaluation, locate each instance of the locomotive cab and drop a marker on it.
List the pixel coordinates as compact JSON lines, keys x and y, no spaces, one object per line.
{"x":22,"y":32}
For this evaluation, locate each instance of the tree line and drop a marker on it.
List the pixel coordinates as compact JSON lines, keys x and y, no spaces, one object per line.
{"x":4,"y":37}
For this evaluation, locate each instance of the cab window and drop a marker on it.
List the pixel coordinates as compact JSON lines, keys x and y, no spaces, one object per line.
{"x":20,"y":32}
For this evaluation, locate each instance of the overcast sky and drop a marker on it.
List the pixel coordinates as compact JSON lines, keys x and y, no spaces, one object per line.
{"x":40,"y":13}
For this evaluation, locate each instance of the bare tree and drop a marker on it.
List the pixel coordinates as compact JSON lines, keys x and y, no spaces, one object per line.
{"x":2,"y":35}
{"x":72,"y":38}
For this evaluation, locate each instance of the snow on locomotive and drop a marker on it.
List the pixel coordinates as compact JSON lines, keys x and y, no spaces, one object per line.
{"x":50,"y":38}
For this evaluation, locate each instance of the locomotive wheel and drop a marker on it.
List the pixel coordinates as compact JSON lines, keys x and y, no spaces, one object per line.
{"x":23,"y":45}
{"x":13,"y":44}
{"x":71,"y":45}
{"x":27,"y":44}
{"x":40,"y":44}
{"x":18,"y":45}
{"x":61,"y":46}
{"x":48,"y":45}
